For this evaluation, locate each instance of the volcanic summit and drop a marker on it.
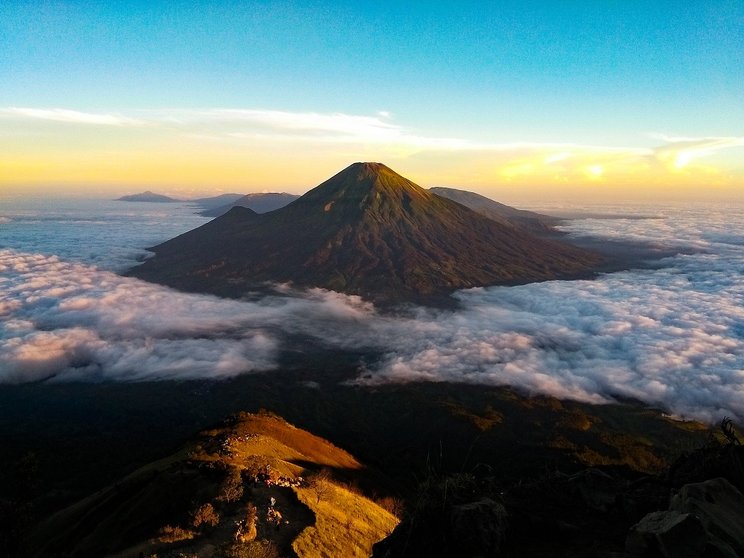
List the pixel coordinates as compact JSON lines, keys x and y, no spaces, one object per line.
{"x":367,"y":231}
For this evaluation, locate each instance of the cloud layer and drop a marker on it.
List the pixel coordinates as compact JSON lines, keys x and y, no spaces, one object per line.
{"x":672,"y":336}
{"x":71,"y":321}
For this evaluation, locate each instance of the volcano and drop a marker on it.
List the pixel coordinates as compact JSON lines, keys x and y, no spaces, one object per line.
{"x":366,"y":231}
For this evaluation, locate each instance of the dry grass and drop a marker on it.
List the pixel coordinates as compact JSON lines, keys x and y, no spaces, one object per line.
{"x":274,"y":437}
{"x":222,"y":465}
{"x":171,"y":534}
{"x":346,"y":524}
{"x":205,"y":515}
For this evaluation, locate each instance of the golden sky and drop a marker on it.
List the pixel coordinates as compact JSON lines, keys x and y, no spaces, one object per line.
{"x":578,"y":100}
{"x":194,"y":152}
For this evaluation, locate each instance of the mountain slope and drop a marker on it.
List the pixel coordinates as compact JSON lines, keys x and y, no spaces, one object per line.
{"x":260,"y":203}
{"x":236,"y":488}
{"x":498,"y":212}
{"x":367,"y":231}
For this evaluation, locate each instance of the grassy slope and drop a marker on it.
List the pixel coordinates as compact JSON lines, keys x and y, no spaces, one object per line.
{"x":85,"y":437}
{"x":346,"y":524}
{"x":123,"y":520}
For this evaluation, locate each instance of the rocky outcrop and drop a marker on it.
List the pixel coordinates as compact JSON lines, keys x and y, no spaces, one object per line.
{"x":670,"y":534}
{"x":720,"y":507}
{"x":704,"y":520}
{"x":479,"y":526}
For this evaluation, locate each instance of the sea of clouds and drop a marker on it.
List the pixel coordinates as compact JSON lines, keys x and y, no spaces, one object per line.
{"x":670,"y":336}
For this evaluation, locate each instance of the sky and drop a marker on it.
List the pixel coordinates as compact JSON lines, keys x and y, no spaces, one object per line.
{"x":571,"y":100}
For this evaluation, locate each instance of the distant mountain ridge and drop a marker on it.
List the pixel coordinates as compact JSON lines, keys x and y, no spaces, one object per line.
{"x":147,"y":196}
{"x":499,"y":212}
{"x":258,"y":202}
{"x":213,"y":202}
{"x":367,"y":231}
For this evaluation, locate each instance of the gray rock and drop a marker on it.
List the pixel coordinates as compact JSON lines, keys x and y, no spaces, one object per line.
{"x":479,"y":527}
{"x":704,"y":519}
{"x":597,"y":489}
{"x":667,"y":534}
{"x":720,"y":507}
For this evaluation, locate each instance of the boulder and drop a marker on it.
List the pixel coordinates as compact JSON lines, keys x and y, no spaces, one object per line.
{"x":704,"y":519}
{"x":479,"y":527}
{"x":720,"y":508}
{"x":667,"y":534}
{"x":596,"y":489}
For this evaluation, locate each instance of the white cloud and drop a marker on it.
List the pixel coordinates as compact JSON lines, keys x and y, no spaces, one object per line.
{"x":672,"y":336}
{"x":71,"y":116}
{"x":680,"y":151}
{"x":379,"y":131}
{"x":73,"y":321}
{"x":345,"y":124}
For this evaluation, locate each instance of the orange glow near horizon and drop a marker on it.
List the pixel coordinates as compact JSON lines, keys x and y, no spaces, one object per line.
{"x":200,"y":153}
{"x":191,"y":175}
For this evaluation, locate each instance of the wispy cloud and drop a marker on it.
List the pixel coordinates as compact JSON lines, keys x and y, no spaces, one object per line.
{"x":71,"y":116}
{"x":680,"y":151}
{"x":514,"y":158}
{"x":336,"y":126}
{"x":334,"y":123}
{"x":380,"y":135}
{"x":314,"y":126}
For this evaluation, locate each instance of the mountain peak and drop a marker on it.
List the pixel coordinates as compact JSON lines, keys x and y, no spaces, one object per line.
{"x":367,"y":166}
{"x":365,"y":186}
{"x":367,"y":174}
{"x":366,"y":230}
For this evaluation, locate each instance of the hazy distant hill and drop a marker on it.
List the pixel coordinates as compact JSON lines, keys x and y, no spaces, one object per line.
{"x":367,"y":231}
{"x":498,"y":212}
{"x":147,"y":197}
{"x":213,"y":202}
{"x":260,"y":203}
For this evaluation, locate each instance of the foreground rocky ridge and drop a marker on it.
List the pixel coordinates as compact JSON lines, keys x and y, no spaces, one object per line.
{"x":256,"y":486}
{"x":569,"y":476}
{"x":694,"y":509}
